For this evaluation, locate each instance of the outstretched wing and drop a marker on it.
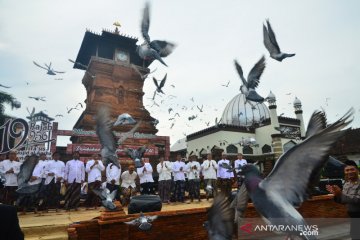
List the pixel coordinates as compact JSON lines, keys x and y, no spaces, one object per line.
{"x":151,"y":218}
{"x":255,"y":73}
{"x":162,"y":83}
{"x":103,"y":130}
{"x":100,"y":194}
{"x":240,"y":72}
{"x":133,"y":222}
{"x":26,"y":170}
{"x":297,"y":165}
{"x":113,"y":194}
{"x":141,"y":151}
{"x":145,"y":23}
{"x":227,"y":166}
{"x":156,"y":82}
{"x":164,"y":48}
{"x":273,"y":49}
{"x":39,"y":65}
{"x":129,"y":133}
{"x":272,"y":36}
{"x":316,"y":124}
{"x":220,"y":219}
{"x":57,"y":71}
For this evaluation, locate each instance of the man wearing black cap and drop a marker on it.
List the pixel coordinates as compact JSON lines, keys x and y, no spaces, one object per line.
{"x":350,"y":195}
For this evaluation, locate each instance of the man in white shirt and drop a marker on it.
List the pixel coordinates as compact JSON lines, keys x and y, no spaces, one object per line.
{"x":54,"y":172}
{"x":128,"y":185}
{"x":178,"y":169}
{"x":209,"y":168}
{"x":10,"y":169}
{"x":74,"y":176}
{"x":237,"y":165}
{"x":94,"y":167}
{"x":113,"y":174}
{"x":164,"y":169}
{"x":2,"y":184}
{"x":193,"y":170}
{"x":146,"y":178}
{"x":224,"y":177}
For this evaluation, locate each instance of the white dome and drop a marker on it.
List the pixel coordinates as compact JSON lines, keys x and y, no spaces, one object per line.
{"x":297,"y":102}
{"x":241,"y":112}
{"x":271,"y":96}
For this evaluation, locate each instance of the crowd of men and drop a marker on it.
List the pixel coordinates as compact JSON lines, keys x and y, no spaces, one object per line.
{"x":67,"y":181}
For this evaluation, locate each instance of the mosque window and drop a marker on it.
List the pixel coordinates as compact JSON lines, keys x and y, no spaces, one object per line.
{"x":247,"y":150}
{"x":266,"y":149}
{"x":231,"y":149}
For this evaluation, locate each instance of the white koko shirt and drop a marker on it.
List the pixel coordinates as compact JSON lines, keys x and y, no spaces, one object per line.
{"x":193,"y":173}
{"x":164,"y":170}
{"x":222,"y":172}
{"x":74,"y":170}
{"x":147,"y":175}
{"x":209,"y":168}
{"x":11,"y":178}
{"x":94,"y":174}
{"x":113,"y":173}
{"x":239,"y":162}
{"x":54,"y":166}
{"x":179,"y":175}
{"x":128,"y":179}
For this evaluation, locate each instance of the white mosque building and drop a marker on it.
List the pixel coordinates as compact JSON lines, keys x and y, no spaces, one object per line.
{"x":251,"y":128}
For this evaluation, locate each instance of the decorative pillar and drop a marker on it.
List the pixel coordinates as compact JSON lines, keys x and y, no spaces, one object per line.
{"x":277,"y":145}
{"x":298,"y":112}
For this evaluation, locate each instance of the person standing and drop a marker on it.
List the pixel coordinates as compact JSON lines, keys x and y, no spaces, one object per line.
{"x":54,"y":172}
{"x":2,"y":183}
{"x":193,"y":170}
{"x":164,"y":169}
{"x":10,"y":168}
{"x":237,"y":165}
{"x":349,"y":195}
{"x":94,"y":167}
{"x":128,"y":185}
{"x":209,"y":167}
{"x":224,"y":177}
{"x":113,"y":174}
{"x":146,"y":178}
{"x":178,"y":169}
{"x":74,"y":177}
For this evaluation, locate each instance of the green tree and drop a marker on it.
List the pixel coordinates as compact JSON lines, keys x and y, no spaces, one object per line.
{"x":6,"y":98}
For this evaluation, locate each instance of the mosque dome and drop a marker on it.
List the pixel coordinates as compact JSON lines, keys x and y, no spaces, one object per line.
{"x":271,"y":96}
{"x":241,"y":112}
{"x":297,"y":102}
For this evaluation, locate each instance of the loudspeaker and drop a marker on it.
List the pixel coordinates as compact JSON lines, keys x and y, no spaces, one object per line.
{"x":144,"y":203}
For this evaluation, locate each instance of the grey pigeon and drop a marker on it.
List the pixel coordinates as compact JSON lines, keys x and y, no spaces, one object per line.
{"x":107,"y":198}
{"x":159,"y":87}
{"x":50,"y":71}
{"x":39,"y":98}
{"x":4,"y":86}
{"x":136,"y":155}
{"x":26,"y":170}
{"x":220,"y":219}
{"x":276,"y":197}
{"x":106,"y":137}
{"x":253,"y":79}
{"x":155,"y":49}
{"x":271,"y":44}
{"x":143,"y":222}
{"x":124,"y":119}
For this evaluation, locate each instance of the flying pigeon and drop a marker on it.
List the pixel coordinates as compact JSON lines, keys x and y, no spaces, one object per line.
{"x":155,"y":122}
{"x":83,"y":66}
{"x":159,"y":87}
{"x":106,"y":137}
{"x":156,"y":49}
{"x":226,"y":85}
{"x":50,"y":71}
{"x":143,"y":222}
{"x":200,"y":109}
{"x":169,"y":110}
{"x":220,"y":219}
{"x":59,"y":115}
{"x":70,"y":109}
{"x":136,"y":155}
{"x":39,"y":98}
{"x":26,"y":170}
{"x":79,"y":104}
{"x":107,"y":198}
{"x":4,"y":86}
{"x":124,"y":119}
{"x":276,"y":199}
{"x":253,"y":79}
{"x":271,"y":44}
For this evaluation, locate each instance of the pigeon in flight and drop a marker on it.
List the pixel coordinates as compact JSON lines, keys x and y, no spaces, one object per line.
{"x":253,"y":79}
{"x":70,"y":109}
{"x":159,"y":87}
{"x":30,"y":113}
{"x":107,"y":198}
{"x":226,"y":85}
{"x":271,"y":44}
{"x":143,"y":222}
{"x":39,"y":98}
{"x":276,"y":199}
{"x":50,"y":71}
{"x":136,"y":155}
{"x":83,"y":66}
{"x":200,"y":109}
{"x":220,"y":219}
{"x":79,"y":104}
{"x":59,"y":115}
{"x":124,"y":119}
{"x":4,"y":86}
{"x":155,"y":49}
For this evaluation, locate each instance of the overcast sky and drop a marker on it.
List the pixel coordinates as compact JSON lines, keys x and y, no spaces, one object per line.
{"x":325,"y":36}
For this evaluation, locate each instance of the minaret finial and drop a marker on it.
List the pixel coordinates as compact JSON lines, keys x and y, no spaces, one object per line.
{"x":117,"y":24}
